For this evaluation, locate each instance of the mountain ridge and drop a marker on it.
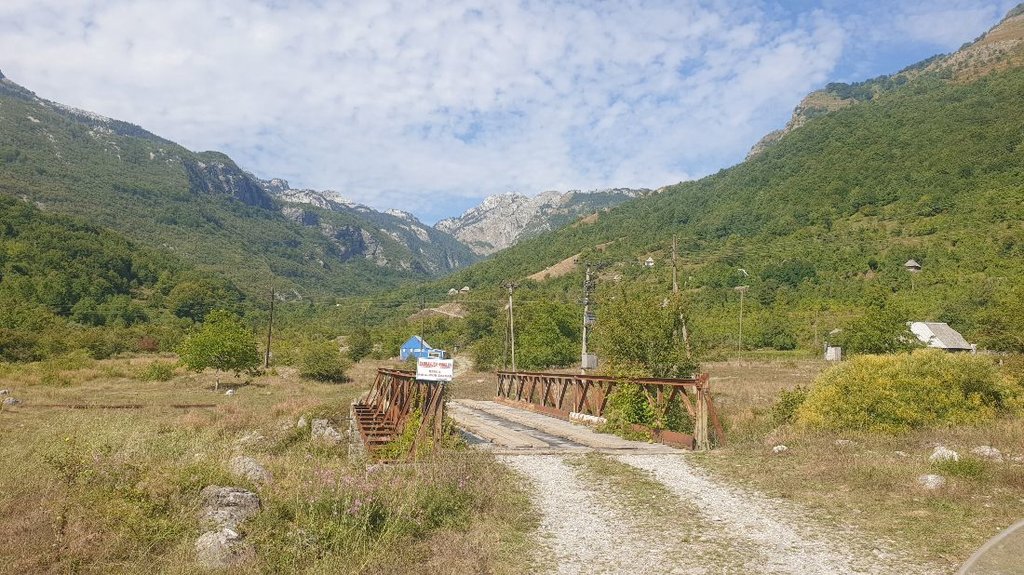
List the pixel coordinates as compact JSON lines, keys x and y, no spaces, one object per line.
{"x":502,"y":220}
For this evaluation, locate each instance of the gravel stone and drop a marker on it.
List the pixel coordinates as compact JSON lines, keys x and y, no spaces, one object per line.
{"x":323,"y":430}
{"x":943,"y":453}
{"x":222,"y":548}
{"x":226,"y":507}
{"x":931,"y":481}
{"x":988,"y":452}
{"x":250,"y":469}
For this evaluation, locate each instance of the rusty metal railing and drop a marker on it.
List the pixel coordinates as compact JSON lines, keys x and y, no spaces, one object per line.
{"x":395,"y":396}
{"x":566,"y":395}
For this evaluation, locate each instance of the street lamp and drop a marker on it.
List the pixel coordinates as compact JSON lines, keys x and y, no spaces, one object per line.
{"x":742,"y":290}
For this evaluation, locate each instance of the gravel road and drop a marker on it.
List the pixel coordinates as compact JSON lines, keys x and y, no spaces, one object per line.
{"x":737,"y":530}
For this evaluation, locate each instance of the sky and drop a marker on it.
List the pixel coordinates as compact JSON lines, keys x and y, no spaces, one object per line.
{"x":430,"y":106}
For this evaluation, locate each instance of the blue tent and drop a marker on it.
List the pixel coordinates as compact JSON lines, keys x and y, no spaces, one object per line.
{"x":415,"y":347}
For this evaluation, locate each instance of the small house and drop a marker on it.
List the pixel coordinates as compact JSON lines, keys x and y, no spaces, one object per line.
{"x":939,"y":335}
{"x":912,"y":266}
{"x":416,"y":346}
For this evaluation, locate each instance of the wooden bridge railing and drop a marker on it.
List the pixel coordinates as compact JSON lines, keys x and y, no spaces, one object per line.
{"x":570,"y":396}
{"x":383,"y":415}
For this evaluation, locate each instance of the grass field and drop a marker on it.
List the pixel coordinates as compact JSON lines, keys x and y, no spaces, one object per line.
{"x":97,"y":489}
{"x":867,"y":479}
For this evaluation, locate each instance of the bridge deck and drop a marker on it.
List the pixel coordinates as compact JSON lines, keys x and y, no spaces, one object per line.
{"x":510,"y":430}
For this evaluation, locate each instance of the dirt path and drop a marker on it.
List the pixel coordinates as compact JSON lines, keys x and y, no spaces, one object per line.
{"x":724,"y":528}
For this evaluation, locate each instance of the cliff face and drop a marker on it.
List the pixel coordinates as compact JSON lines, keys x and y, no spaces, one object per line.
{"x":1000,"y":48}
{"x":503,"y":220}
{"x":205,"y":208}
{"x":389,"y":238}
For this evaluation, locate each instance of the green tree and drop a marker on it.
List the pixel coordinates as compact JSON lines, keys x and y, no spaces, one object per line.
{"x":223,"y":343}
{"x":642,"y":329}
{"x":360,"y":344}
{"x":322,"y":361}
{"x":883,"y":329}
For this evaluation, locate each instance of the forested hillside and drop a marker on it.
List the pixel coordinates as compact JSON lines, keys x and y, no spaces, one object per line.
{"x":818,"y":226}
{"x":68,"y":285}
{"x":202,"y":208}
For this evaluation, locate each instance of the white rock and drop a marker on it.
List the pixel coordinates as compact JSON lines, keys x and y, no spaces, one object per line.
{"x":931,"y":481}
{"x":301,"y":423}
{"x":250,"y":469}
{"x":4,"y":392}
{"x":229,"y":392}
{"x":943,"y":453}
{"x":226,"y":507}
{"x":988,"y":452}
{"x":223,"y":548}
{"x":844,"y":443}
{"x":779,"y":449}
{"x":10,"y":401}
{"x":323,"y":431}
{"x":899,"y":453}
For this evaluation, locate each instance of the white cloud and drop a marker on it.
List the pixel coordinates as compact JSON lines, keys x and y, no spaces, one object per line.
{"x":422,"y":105}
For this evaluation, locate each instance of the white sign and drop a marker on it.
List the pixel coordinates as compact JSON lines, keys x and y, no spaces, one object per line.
{"x":435,"y":369}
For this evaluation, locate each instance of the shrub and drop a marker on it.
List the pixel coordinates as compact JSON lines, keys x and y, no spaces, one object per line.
{"x":157,"y":371}
{"x":323,"y":361}
{"x":964,"y":467}
{"x":785,"y":409}
{"x":896,"y":393}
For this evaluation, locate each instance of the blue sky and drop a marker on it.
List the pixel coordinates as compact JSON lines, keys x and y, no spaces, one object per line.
{"x":430,"y":106}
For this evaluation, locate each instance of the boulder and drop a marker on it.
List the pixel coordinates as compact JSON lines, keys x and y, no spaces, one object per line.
{"x":779,"y":449}
{"x":11,"y":402}
{"x":4,"y":392}
{"x":229,"y":392}
{"x":988,"y":452}
{"x":301,"y":423}
{"x":226,"y":507}
{"x":323,"y":431}
{"x":931,"y":481}
{"x":222,"y":548}
{"x":943,"y":453}
{"x":250,"y":469}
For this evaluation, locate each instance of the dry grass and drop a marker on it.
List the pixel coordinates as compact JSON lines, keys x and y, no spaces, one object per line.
{"x":99,"y":490}
{"x":871,"y":482}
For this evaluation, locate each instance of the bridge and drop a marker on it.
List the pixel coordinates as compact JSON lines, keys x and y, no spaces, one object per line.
{"x":534,"y":412}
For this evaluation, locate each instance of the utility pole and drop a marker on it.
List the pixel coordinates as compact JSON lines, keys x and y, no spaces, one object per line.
{"x":586,"y":322}
{"x":270,"y":331}
{"x":675,"y":276}
{"x":511,"y":324}
{"x":742,"y":290}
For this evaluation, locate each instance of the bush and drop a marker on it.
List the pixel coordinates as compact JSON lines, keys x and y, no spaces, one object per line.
{"x":894,"y":393}
{"x":785,"y":409}
{"x":157,"y":371}
{"x":323,"y":361}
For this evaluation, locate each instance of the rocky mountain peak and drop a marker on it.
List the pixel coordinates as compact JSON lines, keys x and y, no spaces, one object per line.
{"x":2,"y":75}
{"x":502,"y":220}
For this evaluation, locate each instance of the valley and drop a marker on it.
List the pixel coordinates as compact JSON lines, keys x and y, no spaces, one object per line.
{"x":200,"y":367}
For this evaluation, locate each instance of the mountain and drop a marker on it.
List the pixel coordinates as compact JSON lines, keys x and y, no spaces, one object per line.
{"x":422,"y":249}
{"x":204,"y":209}
{"x":1000,"y":48}
{"x":503,"y":220}
{"x":927,"y":164}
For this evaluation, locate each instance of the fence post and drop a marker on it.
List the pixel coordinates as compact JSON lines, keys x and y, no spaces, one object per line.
{"x":700,"y":425}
